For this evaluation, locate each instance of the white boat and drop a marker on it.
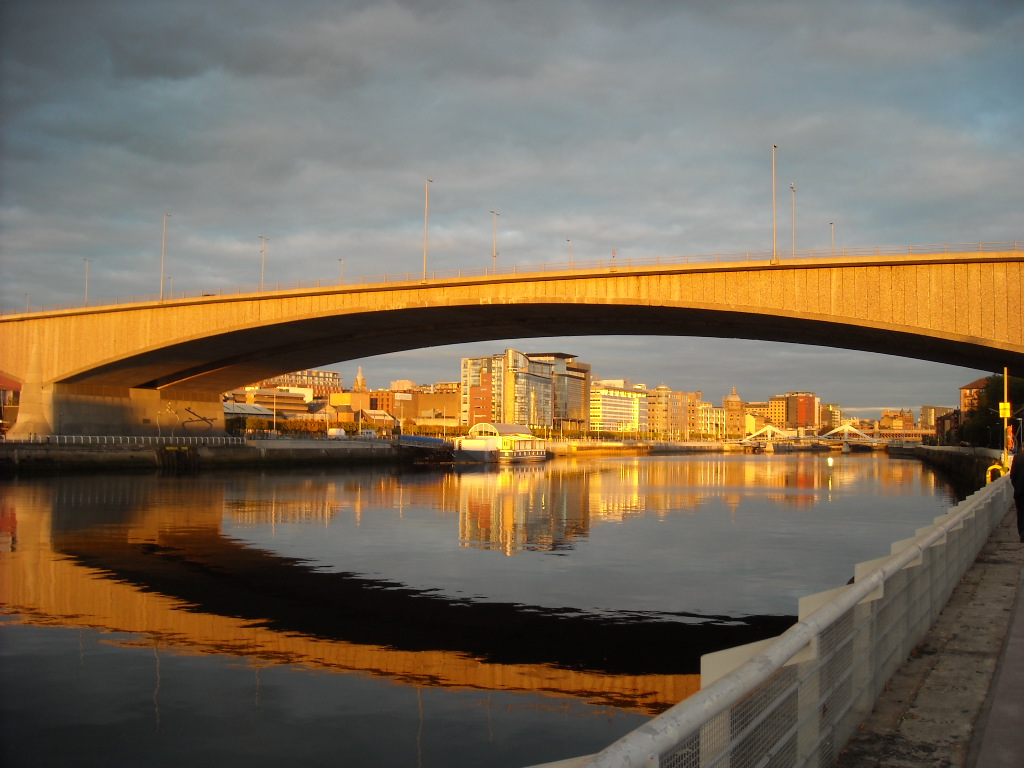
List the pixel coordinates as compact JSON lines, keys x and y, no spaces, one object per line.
{"x":524,"y":450}
{"x":505,"y":443}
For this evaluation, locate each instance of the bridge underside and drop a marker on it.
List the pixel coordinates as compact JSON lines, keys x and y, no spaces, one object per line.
{"x":176,"y":389}
{"x":219,"y":363}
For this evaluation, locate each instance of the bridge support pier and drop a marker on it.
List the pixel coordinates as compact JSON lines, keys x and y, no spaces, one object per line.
{"x":84,"y":409}
{"x":35,"y":411}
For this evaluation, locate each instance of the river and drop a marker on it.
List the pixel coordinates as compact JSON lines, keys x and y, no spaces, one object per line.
{"x":385,"y":617}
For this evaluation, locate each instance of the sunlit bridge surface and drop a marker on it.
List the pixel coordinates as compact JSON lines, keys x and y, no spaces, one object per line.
{"x":117,"y":370}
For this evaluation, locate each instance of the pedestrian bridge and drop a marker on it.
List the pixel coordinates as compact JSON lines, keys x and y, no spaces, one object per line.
{"x":149,"y":366}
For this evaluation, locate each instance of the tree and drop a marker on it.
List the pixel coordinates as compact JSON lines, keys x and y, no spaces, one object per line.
{"x":983,"y":427}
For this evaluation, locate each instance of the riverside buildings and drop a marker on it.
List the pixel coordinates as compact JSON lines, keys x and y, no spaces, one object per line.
{"x":553,"y":393}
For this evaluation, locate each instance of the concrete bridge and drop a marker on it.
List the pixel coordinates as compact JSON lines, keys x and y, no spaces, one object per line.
{"x":151,"y":367}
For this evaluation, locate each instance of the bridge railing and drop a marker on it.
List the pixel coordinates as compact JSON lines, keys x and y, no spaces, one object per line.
{"x":128,"y":440}
{"x":577,"y":265}
{"x":797,"y":700}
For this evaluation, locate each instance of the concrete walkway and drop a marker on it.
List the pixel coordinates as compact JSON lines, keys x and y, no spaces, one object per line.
{"x":959,"y":699}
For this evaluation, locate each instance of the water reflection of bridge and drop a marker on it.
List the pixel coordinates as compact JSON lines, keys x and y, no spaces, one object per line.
{"x":118,"y":561}
{"x":154,"y":557}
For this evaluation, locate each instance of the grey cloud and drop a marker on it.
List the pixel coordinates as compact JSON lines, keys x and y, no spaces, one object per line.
{"x":642,"y":127}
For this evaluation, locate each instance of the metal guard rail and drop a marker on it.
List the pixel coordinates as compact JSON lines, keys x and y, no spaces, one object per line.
{"x":780,"y":255}
{"x":122,"y":440}
{"x":799,"y":700}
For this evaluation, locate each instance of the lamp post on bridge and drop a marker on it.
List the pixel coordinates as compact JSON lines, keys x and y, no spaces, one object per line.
{"x":832,"y":225}
{"x":792,"y":186}
{"x":87,"y":263}
{"x":494,"y":248}
{"x":263,"y":257}
{"x":426,"y":218}
{"x":569,"y":241}
{"x":775,"y":250}
{"x":163,"y":252}
{"x":341,"y":280}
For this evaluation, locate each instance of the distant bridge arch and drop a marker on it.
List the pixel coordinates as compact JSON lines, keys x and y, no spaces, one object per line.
{"x":132,"y":365}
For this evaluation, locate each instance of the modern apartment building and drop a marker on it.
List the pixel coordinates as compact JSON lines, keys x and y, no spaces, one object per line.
{"x":520,"y":390}
{"x":570,"y":387}
{"x":617,"y":409}
{"x":801,"y":410}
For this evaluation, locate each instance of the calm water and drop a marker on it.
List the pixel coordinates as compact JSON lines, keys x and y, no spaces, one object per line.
{"x":376,"y":618}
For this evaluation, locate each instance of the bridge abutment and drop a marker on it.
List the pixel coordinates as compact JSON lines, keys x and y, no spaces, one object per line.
{"x":83,"y":409}
{"x":35,"y":411}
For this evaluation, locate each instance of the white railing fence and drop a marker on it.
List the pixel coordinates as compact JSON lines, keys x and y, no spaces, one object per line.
{"x":796,"y":700}
{"x":128,"y":440}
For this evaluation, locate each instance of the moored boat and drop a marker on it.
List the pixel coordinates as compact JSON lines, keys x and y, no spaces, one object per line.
{"x":505,"y":443}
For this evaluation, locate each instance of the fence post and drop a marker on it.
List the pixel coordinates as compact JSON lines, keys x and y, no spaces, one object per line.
{"x":808,"y":717}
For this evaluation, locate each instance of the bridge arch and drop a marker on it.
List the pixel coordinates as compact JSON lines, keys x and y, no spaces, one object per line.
{"x":961,"y":309}
{"x":244,"y":355}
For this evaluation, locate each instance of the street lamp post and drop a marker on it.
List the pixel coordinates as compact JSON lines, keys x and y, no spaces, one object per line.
{"x":426,"y":218}
{"x":775,"y":251}
{"x":263,"y":257}
{"x":342,"y":278}
{"x":1006,"y":418}
{"x":569,"y":241}
{"x":792,"y":186}
{"x":494,"y":248}
{"x":87,"y":263}
{"x":163,"y":252}
{"x":832,"y":226}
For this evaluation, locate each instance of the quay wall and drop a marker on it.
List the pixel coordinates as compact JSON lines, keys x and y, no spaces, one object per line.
{"x":43,"y":458}
{"x":967,"y":468}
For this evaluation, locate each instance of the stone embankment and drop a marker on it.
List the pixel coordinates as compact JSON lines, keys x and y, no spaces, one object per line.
{"x":968,"y":468}
{"x":43,"y":458}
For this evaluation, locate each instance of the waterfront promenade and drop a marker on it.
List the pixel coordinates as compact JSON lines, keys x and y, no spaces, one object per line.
{"x":959,"y":699}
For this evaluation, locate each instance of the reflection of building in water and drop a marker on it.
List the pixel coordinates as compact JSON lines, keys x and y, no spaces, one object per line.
{"x":616,"y":493}
{"x":533,"y":507}
{"x":518,"y":508}
{"x":43,"y":585}
{"x":8,"y":528}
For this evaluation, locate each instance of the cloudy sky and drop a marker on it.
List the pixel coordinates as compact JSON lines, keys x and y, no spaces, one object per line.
{"x":644,"y":127}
